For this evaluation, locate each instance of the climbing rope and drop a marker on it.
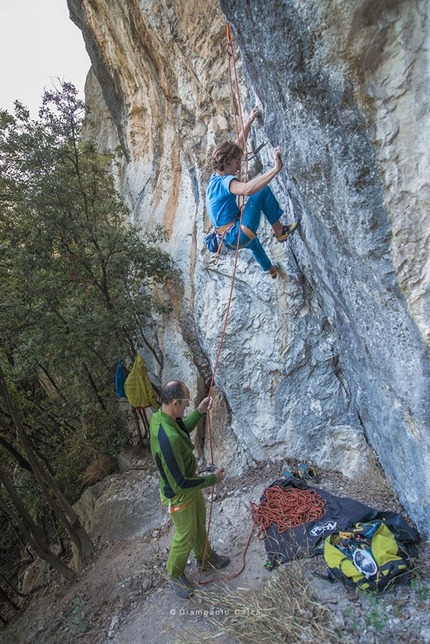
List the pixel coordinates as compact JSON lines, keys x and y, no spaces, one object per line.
{"x":288,"y":508}
{"x":238,"y":120}
{"x":234,"y":87}
{"x":235,"y":99}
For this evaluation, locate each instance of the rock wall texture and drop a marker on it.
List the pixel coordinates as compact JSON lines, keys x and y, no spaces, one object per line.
{"x":329,"y":363}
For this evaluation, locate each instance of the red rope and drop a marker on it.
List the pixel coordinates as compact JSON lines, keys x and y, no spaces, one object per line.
{"x":234,"y":83}
{"x":288,"y":508}
{"x":234,"y":86}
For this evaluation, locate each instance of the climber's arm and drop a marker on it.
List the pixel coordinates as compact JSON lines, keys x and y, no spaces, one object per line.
{"x":258,"y":183}
{"x":243,"y":134}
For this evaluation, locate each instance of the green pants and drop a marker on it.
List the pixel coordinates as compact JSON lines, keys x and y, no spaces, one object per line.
{"x":190,"y":532}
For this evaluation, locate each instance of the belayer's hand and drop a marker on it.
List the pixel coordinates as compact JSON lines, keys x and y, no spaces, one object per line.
{"x":205,"y":405}
{"x":220,"y":474}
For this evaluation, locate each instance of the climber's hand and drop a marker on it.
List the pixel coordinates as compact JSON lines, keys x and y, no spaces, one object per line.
{"x":254,"y":113}
{"x":277,"y":159}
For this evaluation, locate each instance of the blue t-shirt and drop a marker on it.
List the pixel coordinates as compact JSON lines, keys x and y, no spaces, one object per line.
{"x":221,"y":204}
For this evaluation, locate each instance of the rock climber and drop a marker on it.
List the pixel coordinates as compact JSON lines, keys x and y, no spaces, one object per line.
{"x":222,"y":191}
{"x":180,"y":487}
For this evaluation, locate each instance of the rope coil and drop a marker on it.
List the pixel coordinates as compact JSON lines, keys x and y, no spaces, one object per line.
{"x":288,"y":508}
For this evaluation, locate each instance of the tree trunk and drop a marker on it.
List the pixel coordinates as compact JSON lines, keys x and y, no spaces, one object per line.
{"x":48,"y":485}
{"x":31,"y":532}
{"x":138,"y":430}
{"x":16,"y":455}
{"x":145,"y":422}
{"x":20,"y":539}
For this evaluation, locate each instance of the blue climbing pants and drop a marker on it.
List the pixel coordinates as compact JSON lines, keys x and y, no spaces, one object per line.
{"x":264,"y":202}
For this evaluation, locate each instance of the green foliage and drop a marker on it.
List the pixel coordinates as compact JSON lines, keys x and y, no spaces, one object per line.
{"x":77,"y":288}
{"x":376,"y":615}
{"x":79,"y":619}
{"x":421,"y":589}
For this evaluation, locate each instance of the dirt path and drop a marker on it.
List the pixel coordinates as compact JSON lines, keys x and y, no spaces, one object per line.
{"x":124,"y":598}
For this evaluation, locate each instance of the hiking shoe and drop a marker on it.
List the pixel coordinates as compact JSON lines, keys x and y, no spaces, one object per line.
{"x":181,"y":586}
{"x":273,"y":270}
{"x":214,"y":562}
{"x":287,"y":230}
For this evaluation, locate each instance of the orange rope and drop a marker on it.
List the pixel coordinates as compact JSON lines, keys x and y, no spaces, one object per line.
{"x":233,"y":79}
{"x":230,"y":55}
{"x":233,"y":84}
{"x":288,"y":508}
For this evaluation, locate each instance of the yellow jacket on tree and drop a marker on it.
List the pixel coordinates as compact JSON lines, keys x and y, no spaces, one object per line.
{"x":138,"y":387}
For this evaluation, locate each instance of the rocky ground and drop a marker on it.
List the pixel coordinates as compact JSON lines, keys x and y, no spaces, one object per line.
{"x":123,"y":597}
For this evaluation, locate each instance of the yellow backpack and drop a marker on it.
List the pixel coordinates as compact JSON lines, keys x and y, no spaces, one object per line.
{"x":367,"y":557}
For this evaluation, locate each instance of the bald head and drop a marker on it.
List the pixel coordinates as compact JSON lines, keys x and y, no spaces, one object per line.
{"x":173,"y":390}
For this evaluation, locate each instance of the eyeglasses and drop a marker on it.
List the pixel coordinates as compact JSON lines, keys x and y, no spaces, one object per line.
{"x":183,"y":399}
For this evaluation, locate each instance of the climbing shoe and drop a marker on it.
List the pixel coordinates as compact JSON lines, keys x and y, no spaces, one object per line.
{"x":293,"y":475}
{"x":214,"y":562}
{"x":311,"y":475}
{"x":308,"y":472}
{"x":287,"y":230}
{"x":181,"y":586}
{"x":304,"y":473}
{"x":273,"y":270}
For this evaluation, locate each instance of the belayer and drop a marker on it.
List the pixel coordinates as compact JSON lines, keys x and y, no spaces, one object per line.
{"x":180,"y":486}
{"x":222,"y":191}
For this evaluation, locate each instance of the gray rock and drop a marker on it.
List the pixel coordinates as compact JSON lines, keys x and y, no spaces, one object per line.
{"x":121,"y":507}
{"x":330,"y":362}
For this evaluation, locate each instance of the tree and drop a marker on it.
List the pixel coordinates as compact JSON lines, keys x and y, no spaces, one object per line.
{"x":77,"y":292}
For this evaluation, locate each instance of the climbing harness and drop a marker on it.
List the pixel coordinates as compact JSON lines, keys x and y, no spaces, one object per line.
{"x":220,"y":234}
{"x":215,"y":239}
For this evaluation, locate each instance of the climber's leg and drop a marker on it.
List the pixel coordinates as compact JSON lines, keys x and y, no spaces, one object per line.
{"x":263,"y":201}
{"x":259,"y":254}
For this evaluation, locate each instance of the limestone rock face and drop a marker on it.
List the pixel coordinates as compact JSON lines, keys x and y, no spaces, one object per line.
{"x":330,"y":360}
